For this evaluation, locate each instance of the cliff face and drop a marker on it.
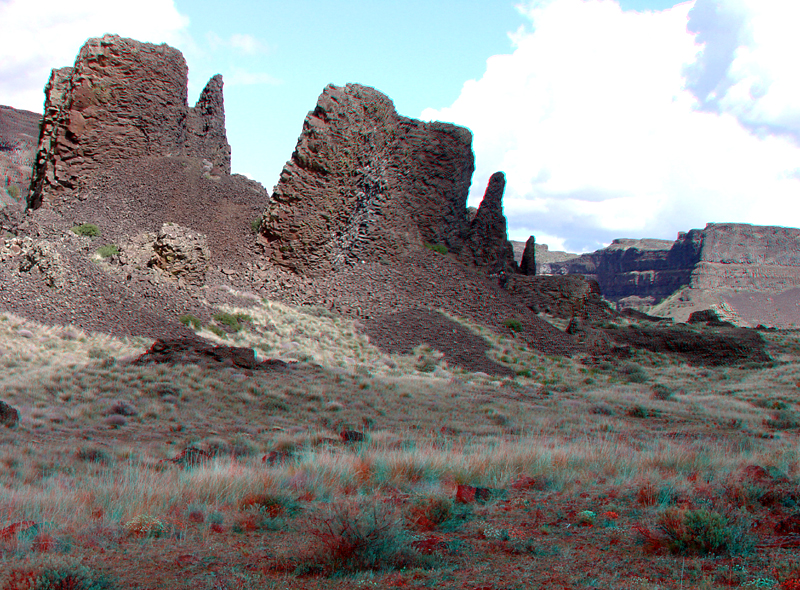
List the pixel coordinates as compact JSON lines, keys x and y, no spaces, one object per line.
{"x":122,"y":100}
{"x":365,"y":184}
{"x":641,"y":268}
{"x":748,"y":257}
{"x":19,"y":132}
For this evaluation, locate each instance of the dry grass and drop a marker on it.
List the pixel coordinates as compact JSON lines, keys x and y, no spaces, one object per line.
{"x":87,"y":463}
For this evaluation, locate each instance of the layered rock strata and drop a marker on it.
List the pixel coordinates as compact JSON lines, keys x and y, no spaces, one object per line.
{"x":733,"y":256}
{"x":19,"y":133}
{"x":366,"y":184}
{"x":122,"y":100}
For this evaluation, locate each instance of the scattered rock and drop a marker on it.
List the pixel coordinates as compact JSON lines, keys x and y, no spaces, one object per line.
{"x":44,"y":257}
{"x":188,"y":351}
{"x":9,"y":416}
{"x":349,"y":436}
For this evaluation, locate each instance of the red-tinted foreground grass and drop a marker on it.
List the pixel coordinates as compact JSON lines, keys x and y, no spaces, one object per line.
{"x":639,"y":475}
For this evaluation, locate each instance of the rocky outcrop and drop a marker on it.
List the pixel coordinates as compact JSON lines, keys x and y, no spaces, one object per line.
{"x":527,"y":265}
{"x":122,"y":100}
{"x":19,"y":132}
{"x":181,"y":253}
{"x":365,"y":184}
{"x":562,"y":297}
{"x":487,"y":244}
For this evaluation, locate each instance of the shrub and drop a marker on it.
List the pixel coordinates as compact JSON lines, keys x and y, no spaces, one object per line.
{"x":88,"y":230}
{"x":513,"y":325}
{"x":431,"y":512}
{"x":232,"y":321}
{"x":107,"y":251}
{"x":145,"y":526}
{"x":633,"y":373}
{"x":438,"y":248}
{"x":783,"y":420}
{"x":13,"y":191}
{"x":191,"y":321}
{"x":662,"y":392}
{"x":77,"y":577}
{"x":702,"y":532}
{"x":255,"y":225}
{"x":358,"y":536}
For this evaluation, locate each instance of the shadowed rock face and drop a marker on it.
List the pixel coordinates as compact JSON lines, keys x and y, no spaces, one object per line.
{"x":365,"y":184}
{"x":122,"y":100}
{"x":487,"y":245}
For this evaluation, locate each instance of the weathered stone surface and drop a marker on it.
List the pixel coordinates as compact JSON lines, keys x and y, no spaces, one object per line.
{"x":365,"y":184}
{"x":527,"y":265}
{"x":122,"y":100}
{"x":181,"y":253}
{"x":487,"y":245}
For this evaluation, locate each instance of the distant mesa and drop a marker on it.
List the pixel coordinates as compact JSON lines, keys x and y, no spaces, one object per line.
{"x":123,"y":100}
{"x":735,"y":265}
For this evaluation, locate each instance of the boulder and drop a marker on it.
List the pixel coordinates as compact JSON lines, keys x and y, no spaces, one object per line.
{"x":365,"y":184}
{"x":9,"y":416}
{"x":181,"y":253}
{"x":122,"y":100}
{"x":44,"y":257}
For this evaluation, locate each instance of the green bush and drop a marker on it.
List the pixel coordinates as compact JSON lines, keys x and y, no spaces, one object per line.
{"x":107,"y":251}
{"x":514,"y":325}
{"x":633,"y":373}
{"x":703,"y":532}
{"x":191,"y":321}
{"x":232,"y":321}
{"x":88,"y":230}
{"x":255,"y":225}
{"x":13,"y":191}
{"x":438,"y":248}
{"x":77,"y":577}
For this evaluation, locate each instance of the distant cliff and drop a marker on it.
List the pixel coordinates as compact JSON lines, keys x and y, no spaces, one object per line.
{"x":721,"y":256}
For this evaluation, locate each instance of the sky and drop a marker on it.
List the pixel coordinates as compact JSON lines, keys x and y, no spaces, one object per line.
{"x":610,"y":118}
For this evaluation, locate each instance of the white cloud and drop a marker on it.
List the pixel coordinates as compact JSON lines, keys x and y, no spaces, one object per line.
{"x":596,"y":120}
{"x":240,"y":42}
{"x":39,"y":35}
{"x":241,"y":77}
